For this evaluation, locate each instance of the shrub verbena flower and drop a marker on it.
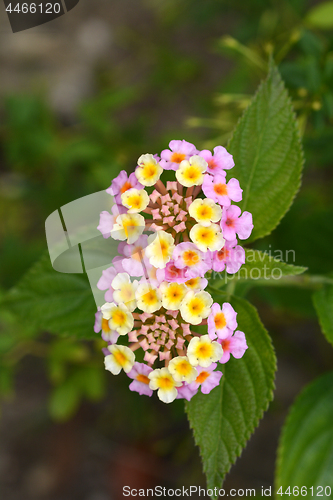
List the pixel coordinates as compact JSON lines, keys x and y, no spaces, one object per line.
{"x":172,"y":236}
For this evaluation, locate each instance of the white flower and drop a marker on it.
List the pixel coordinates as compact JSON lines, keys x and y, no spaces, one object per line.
{"x":120,"y":357}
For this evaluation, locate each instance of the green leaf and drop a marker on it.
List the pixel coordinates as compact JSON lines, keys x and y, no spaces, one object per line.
{"x":224,"y":420}
{"x":65,"y":399}
{"x":323,"y":302}
{"x":58,"y":303}
{"x":321,"y":16}
{"x":268,"y":155}
{"x":305,"y":455}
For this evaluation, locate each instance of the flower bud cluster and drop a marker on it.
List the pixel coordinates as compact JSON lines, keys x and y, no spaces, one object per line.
{"x":172,"y":236}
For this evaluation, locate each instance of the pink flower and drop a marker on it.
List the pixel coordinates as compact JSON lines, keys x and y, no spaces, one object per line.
{"x":122,"y":183}
{"x":231,"y":257}
{"x":98,"y":321}
{"x":107,"y":220}
{"x":219,"y":161}
{"x":221,"y":322}
{"x":186,"y":391}
{"x":207,"y":378}
{"x":180,"y":150}
{"x":136,"y":262}
{"x":234,"y":344}
{"x":188,"y":256}
{"x":139,"y":374}
{"x":232,"y":223}
{"x":171,"y":273}
{"x":217,"y":189}
{"x":106,"y":279}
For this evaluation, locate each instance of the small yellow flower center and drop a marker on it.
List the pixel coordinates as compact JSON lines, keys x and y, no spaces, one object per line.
{"x":202,"y":377}
{"x":204,"y":351}
{"x":175,"y":292}
{"x":120,"y":358}
{"x":135,"y":201}
{"x":205,"y":235}
{"x":150,"y":297}
{"x":142,"y":378}
{"x":205,"y":212}
{"x":164,"y":248}
{"x":177,"y":157}
{"x":196,"y":306}
{"x":184,"y":368}
{"x":192,"y":173}
{"x":220,"y":321}
{"x":128,"y":226}
{"x":149,"y":170}
{"x":105,"y":325}
{"x":119,"y":317}
{"x":165,"y":383}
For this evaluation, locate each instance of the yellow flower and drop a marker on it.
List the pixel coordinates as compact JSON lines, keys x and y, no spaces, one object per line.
{"x":148,"y":171}
{"x":119,"y":317}
{"x":172,"y":295}
{"x":135,"y":200}
{"x":162,"y":380}
{"x":124,"y":290}
{"x":128,"y":227}
{"x":203,"y":352}
{"x":190,"y":172}
{"x":207,"y":238}
{"x":182,"y":370}
{"x":148,"y":298}
{"x":160,"y":248}
{"x":205,"y":211}
{"x":195,"y":307}
{"x":121,"y":357}
{"x":196,"y":283}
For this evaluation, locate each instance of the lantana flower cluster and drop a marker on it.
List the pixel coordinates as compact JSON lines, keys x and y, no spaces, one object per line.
{"x":172,"y":236}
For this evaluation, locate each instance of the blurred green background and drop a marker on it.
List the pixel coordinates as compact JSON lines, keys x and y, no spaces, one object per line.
{"x":82,"y":98}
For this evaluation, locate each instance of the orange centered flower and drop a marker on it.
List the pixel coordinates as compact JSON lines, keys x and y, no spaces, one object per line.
{"x":177,"y":157}
{"x":225,"y":344}
{"x":223,"y":254}
{"x":211,"y":164}
{"x":190,"y":258}
{"x":142,"y":378}
{"x":126,"y":187}
{"x":220,"y":321}
{"x":202,"y":377}
{"x":221,"y":189}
